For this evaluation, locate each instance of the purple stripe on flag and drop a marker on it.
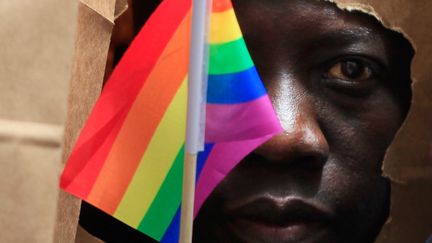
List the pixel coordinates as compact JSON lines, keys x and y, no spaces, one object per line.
{"x":243,"y":121}
{"x":221,"y":160}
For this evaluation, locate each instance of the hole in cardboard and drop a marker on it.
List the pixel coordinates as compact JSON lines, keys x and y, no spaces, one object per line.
{"x":128,"y":25}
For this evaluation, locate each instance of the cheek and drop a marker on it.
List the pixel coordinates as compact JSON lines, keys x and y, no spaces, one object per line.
{"x":384,"y":114}
{"x":358,"y":198}
{"x":359,"y":136}
{"x":349,"y":188}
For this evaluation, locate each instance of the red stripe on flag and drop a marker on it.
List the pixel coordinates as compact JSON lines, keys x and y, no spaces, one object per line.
{"x":78,"y":177}
{"x":118,"y":95}
{"x":142,"y":121}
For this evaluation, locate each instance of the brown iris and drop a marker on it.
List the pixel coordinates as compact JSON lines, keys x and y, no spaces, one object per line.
{"x":351,"y":70}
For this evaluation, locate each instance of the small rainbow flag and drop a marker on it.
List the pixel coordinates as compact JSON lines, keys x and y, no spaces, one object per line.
{"x":128,"y":159}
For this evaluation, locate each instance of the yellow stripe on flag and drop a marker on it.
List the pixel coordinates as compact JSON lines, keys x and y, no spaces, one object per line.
{"x":224,"y":27}
{"x":156,"y":162}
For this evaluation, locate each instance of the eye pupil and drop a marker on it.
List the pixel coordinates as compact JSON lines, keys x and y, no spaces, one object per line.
{"x":352,"y":69}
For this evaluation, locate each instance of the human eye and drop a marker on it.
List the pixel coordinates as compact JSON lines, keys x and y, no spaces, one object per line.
{"x":353,"y":76}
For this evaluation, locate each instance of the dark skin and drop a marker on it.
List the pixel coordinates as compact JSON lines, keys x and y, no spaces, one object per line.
{"x":339,"y":83}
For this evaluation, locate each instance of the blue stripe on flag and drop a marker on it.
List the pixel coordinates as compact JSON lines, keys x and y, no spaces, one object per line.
{"x":172,"y":234}
{"x":235,"y":87}
{"x":202,"y":158}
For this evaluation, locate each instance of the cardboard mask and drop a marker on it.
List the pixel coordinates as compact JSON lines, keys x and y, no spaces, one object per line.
{"x":407,"y":162}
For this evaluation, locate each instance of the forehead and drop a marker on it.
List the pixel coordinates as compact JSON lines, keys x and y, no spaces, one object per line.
{"x":300,"y":16}
{"x":292,"y":29}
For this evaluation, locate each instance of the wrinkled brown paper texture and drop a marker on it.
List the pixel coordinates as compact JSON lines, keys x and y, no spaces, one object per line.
{"x":407,"y":163}
{"x":94,"y":27}
{"x":36,"y":48}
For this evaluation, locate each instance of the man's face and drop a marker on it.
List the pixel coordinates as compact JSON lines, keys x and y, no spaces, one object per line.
{"x":339,"y":83}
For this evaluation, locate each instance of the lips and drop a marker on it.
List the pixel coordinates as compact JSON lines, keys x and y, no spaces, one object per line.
{"x":278,"y":219}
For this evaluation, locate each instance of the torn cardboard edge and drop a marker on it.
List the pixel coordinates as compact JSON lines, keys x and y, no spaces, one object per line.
{"x":121,"y":7}
{"x":408,"y":217}
{"x":108,"y":10}
{"x":369,"y":10}
{"x":410,"y":172}
{"x":95,"y":22}
{"x":393,"y":231}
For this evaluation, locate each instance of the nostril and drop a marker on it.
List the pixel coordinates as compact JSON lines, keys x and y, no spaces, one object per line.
{"x":294,"y":151}
{"x":302,"y":144}
{"x":300,"y":161}
{"x":309,"y":162}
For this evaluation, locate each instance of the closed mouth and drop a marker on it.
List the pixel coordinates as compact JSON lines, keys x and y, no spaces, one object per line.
{"x":271,"y":219}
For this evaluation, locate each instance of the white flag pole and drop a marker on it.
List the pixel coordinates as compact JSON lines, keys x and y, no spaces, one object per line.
{"x":195,"y":125}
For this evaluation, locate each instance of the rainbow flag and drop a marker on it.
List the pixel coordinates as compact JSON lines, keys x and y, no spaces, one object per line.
{"x":128,"y":159}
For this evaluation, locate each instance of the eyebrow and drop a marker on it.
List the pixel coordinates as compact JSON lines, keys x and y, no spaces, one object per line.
{"x":361,"y":40}
{"x":346,"y":35}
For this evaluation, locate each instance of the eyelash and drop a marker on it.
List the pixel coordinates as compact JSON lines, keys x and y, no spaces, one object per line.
{"x":374,"y":66}
{"x":353,"y":87}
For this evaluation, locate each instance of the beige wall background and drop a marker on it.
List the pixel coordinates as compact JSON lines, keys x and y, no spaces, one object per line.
{"x":45,"y":98}
{"x":36,"y":49}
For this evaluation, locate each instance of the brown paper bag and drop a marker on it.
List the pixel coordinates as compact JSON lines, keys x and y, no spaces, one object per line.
{"x":407,"y":163}
{"x":95,"y":23}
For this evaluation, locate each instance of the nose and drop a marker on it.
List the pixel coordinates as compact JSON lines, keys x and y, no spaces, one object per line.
{"x":303,"y":142}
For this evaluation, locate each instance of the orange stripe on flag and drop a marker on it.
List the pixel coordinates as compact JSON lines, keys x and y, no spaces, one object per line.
{"x":221,"y":5}
{"x":142,"y":121}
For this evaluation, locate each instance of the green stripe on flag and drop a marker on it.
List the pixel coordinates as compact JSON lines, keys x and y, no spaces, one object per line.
{"x":229,"y":57}
{"x":165,"y":205}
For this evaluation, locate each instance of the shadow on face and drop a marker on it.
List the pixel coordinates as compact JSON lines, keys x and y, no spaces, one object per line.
{"x":340,"y":85}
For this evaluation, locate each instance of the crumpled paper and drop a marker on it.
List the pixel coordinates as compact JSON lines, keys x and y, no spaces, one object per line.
{"x":94,"y":26}
{"x":408,"y":162}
